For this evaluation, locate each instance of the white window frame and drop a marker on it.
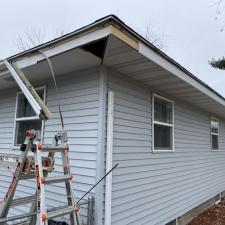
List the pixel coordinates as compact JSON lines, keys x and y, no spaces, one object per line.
{"x":161,"y":123}
{"x":218,"y":134}
{"x":14,"y":146}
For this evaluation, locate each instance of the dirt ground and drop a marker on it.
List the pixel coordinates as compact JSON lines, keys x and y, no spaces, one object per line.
{"x":212,"y":216}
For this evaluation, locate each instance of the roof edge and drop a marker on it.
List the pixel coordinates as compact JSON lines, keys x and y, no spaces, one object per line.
{"x":164,"y":55}
{"x":99,"y":22}
{"x":115,"y":20}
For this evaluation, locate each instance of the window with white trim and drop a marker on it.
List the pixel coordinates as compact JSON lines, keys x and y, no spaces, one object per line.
{"x":214,"y":129}
{"x":163,"y":124}
{"x":25,"y":117}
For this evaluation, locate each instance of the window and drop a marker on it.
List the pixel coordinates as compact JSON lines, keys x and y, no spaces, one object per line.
{"x":26,"y":118}
{"x":162,"y":124}
{"x":214,"y":127}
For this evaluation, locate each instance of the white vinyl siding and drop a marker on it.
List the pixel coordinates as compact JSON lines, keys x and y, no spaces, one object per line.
{"x":157,"y":188}
{"x":79,"y":99}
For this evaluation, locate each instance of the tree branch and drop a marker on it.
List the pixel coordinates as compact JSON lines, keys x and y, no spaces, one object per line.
{"x":152,"y":37}
{"x":33,"y":37}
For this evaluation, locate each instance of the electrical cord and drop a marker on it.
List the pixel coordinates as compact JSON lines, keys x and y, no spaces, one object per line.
{"x":56,"y":87}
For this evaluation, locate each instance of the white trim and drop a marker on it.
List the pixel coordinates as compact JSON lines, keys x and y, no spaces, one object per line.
{"x":109,"y":160}
{"x":216,"y":134}
{"x":164,"y":98}
{"x":26,"y":118}
{"x":163,"y":150}
{"x":163,"y":124}
{"x":164,"y":63}
{"x":61,"y":47}
{"x":101,"y":144}
{"x":36,"y":107}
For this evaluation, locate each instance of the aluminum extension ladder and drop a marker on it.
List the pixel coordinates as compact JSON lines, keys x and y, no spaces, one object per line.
{"x":38,"y":167}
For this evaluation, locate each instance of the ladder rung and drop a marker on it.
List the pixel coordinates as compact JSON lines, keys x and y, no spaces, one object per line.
{"x":49,"y":180}
{"x":8,"y":162}
{"x":25,"y":200}
{"x":22,"y":222}
{"x":27,"y":176}
{"x":60,"y":212}
{"x":18,"y":217}
{"x":45,"y":148}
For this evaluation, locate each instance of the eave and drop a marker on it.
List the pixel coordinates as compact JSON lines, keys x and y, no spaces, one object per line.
{"x":166,"y":68}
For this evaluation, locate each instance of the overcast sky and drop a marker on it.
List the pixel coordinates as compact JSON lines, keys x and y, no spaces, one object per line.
{"x":190,"y":33}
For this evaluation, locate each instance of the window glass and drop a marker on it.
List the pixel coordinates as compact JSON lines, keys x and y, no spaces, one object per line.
{"x":163,"y":124}
{"x":26,"y":118}
{"x":24,"y":108}
{"x":214,"y":127}
{"x":215,"y":142}
{"x":162,"y":137}
{"x":162,"y":111}
{"x":23,"y":126}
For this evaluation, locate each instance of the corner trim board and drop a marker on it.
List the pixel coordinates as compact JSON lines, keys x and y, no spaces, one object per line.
{"x":100,"y":163}
{"x":109,"y":160}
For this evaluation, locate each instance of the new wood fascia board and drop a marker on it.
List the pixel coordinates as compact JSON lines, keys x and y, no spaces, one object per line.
{"x":123,"y":36}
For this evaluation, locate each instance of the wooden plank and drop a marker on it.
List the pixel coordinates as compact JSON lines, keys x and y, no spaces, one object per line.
{"x":124,"y":37}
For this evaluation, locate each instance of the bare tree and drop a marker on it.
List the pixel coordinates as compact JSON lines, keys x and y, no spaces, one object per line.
{"x":148,"y":32}
{"x":59,"y":32}
{"x":219,"y":63}
{"x":153,"y":37}
{"x":220,"y":7}
{"x":33,"y":37}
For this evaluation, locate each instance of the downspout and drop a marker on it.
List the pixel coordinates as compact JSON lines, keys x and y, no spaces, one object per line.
{"x":109,"y":152}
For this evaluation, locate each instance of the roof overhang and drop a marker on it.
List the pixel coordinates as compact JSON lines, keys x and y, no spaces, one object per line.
{"x":162,"y":78}
{"x":125,"y":51}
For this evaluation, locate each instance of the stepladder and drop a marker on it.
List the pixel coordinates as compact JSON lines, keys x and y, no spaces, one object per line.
{"x":35,"y":163}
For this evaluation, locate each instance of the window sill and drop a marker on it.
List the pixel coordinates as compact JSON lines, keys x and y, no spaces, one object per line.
{"x":162,"y":150}
{"x":215,"y":150}
{"x":14,"y":148}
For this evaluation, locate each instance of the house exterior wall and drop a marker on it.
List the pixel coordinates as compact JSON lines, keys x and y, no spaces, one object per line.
{"x":155,"y":188}
{"x":80,"y":104}
{"x":148,"y":188}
